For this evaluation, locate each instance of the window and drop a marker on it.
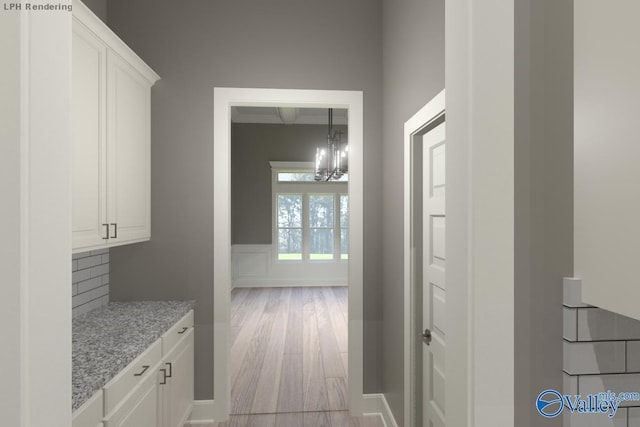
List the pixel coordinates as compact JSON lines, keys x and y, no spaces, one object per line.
{"x":311,"y":219}
{"x":289,"y":226}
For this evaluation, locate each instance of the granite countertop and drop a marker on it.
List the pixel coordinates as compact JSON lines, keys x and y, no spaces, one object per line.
{"x":106,"y":340}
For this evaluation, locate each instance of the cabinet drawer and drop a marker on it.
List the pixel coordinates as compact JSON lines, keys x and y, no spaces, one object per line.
{"x":137,"y":371}
{"x":177,"y":331}
{"x":90,"y":413}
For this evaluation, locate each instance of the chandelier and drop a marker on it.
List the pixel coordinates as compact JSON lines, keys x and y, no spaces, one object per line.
{"x":332,"y":160}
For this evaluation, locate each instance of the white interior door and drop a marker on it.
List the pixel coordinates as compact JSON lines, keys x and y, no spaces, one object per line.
{"x":433,"y":278}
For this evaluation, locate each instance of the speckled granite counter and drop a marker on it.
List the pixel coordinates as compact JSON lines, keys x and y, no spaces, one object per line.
{"x":106,"y":340}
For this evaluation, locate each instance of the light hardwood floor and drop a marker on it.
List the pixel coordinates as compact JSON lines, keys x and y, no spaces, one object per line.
{"x":289,"y":359}
{"x":299,"y":419}
{"x":288,"y":350}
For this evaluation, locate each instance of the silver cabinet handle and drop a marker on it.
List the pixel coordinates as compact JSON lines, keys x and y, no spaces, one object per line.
{"x":107,"y":234}
{"x":141,"y":373}
{"x":115,"y":230}
{"x":164,"y":376}
{"x":183,"y":330}
{"x":170,"y":365}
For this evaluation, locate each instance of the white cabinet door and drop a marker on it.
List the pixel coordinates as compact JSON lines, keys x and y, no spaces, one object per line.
{"x":178,"y":392}
{"x":128,"y":118}
{"x":88,"y":138}
{"x":141,"y":408}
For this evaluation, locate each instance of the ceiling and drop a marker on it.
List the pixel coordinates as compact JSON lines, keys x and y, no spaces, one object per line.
{"x":302,"y":116}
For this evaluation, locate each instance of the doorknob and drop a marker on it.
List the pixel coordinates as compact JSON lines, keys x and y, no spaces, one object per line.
{"x":425,"y":336}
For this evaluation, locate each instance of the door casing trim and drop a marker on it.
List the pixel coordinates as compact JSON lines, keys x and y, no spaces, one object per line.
{"x":224,"y":98}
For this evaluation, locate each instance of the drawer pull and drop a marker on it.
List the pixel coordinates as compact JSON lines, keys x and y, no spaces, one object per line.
{"x":170,"y":374}
{"x":183,"y":330}
{"x":164,"y":376}
{"x":144,"y":369}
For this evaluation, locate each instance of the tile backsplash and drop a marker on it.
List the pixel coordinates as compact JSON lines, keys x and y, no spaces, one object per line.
{"x":90,"y":282}
{"x":601,"y":353}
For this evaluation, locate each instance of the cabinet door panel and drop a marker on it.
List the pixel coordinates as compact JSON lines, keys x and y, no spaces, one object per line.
{"x":141,"y":407}
{"x":129,"y":151}
{"x":88,"y":138}
{"x":178,"y":395}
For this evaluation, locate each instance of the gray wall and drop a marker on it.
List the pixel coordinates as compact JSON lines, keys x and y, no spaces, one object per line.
{"x":99,"y":7}
{"x":543,"y":196}
{"x":413,"y":74}
{"x":200,"y":44}
{"x":252,"y":147}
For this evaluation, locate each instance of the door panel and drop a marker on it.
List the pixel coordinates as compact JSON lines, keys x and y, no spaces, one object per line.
{"x":88,"y":139}
{"x":129,"y":151}
{"x":434,"y":272}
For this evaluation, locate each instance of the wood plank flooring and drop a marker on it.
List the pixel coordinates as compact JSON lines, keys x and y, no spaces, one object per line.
{"x":299,"y":419}
{"x":288,"y":350}
{"x":289,"y":359}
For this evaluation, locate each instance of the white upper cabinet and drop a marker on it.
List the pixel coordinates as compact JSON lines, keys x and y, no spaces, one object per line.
{"x":111,"y":137}
{"x":89,"y":137}
{"x":607,"y":153}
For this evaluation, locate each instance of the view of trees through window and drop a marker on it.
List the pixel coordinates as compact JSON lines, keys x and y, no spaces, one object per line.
{"x":319,"y":234}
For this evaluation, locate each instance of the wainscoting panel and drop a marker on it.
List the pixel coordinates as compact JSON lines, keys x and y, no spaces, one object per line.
{"x":257,"y":266}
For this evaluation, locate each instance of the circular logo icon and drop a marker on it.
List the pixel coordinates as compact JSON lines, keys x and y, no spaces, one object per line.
{"x":549,"y":403}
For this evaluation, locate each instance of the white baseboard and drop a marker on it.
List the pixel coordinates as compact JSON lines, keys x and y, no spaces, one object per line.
{"x":202,"y":412}
{"x":286,"y":283}
{"x":376,"y":404}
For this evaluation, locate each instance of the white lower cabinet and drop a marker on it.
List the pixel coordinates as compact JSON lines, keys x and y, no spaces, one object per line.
{"x":177,"y":393}
{"x":155,"y":390}
{"x":140,"y":408}
{"x":90,"y":414}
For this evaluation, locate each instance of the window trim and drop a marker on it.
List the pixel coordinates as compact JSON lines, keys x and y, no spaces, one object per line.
{"x":306,"y":188}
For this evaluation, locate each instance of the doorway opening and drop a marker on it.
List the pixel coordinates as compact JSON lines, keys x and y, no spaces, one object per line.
{"x":225,"y":99}
{"x":290,"y":255}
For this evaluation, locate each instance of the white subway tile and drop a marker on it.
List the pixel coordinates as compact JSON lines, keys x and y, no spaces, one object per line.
{"x":91,"y":261}
{"x":100,"y":251}
{"x":569,"y":384}
{"x":85,"y":308}
{"x":593,"y":357}
{"x":90,"y":284}
{"x":634,"y":417}
{"x":99,"y":270}
{"x":105,"y":258}
{"x":633,"y":356}
{"x":595,"y":324}
{"x":593,"y":384}
{"x":105,"y":279}
{"x":595,"y":420}
{"x":80,"y":275}
{"x":74,"y":265}
{"x":570,"y":323}
{"x":585,"y":358}
{"x":74,"y":289}
{"x":572,"y":292}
